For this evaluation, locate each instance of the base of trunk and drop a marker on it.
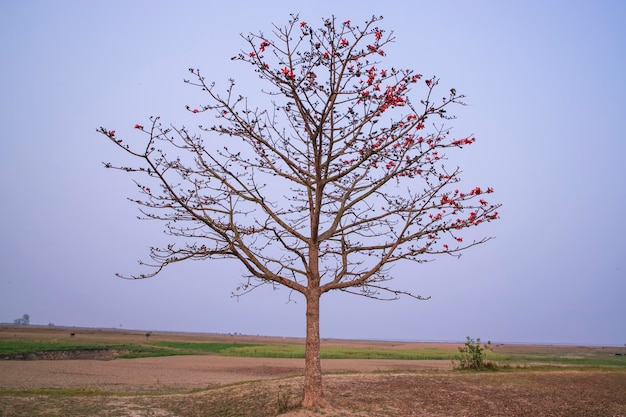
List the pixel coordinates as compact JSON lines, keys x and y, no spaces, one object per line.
{"x":310,"y":402}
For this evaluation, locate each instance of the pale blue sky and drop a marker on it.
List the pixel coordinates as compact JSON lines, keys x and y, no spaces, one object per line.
{"x":545,"y":88}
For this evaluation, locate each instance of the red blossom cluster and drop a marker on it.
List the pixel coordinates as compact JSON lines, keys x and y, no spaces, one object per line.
{"x":374,"y":48}
{"x":347,"y":161}
{"x":478,"y":191}
{"x":288,"y":73}
{"x":371,"y":75}
{"x":435,"y":217}
{"x":393,"y":95}
{"x":464,"y":141}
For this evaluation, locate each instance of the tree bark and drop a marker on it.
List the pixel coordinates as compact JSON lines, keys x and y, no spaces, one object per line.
{"x":313,"y":389}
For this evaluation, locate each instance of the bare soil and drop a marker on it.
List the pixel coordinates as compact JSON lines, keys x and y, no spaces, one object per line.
{"x":177,"y":372}
{"x":211,"y":385}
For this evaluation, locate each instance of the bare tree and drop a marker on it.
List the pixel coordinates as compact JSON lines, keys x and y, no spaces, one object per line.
{"x":337,"y":179}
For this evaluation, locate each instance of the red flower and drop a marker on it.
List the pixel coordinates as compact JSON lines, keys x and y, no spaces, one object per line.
{"x":138,"y":127}
{"x":378,"y":34}
{"x":147,"y":189}
{"x":459,"y":239}
{"x":346,"y":23}
{"x":302,"y":24}
{"x":445,"y":246}
{"x":344,"y":42}
{"x":263,"y":45}
{"x":288,"y":73}
{"x":252,"y":54}
{"x":196,"y":111}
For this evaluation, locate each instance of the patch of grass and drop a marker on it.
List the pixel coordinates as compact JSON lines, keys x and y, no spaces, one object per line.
{"x":12,"y":348}
{"x":338,"y":352}
{"x":551,"y":359}
{"x":194,"y":348}
{"x":56,"y":392}
{"x":16,"y":347}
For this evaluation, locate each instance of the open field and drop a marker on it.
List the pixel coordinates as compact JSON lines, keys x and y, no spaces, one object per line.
{"x":201,"y":376}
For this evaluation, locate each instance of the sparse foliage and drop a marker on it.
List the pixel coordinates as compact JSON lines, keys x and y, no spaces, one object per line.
{"x":472,"y":355}
{"x":340,"y":177}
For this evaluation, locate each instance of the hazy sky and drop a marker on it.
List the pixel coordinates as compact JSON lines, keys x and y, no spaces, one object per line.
{"x":546,"y":93}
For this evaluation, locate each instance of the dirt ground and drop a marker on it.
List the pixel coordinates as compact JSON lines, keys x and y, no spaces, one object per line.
{"x":177,"y":372}
{"x":211,"y":385}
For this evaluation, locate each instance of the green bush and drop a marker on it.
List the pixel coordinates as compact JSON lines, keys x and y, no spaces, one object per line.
{"x":472,"y":356}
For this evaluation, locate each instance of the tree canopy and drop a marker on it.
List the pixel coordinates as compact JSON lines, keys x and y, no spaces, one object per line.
{"x":337,"y":178}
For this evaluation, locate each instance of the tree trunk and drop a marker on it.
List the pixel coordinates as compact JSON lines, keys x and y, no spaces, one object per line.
{"x":313,"y":390}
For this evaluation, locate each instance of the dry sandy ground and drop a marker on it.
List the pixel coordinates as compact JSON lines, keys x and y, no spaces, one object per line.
{"x":177,"y":372}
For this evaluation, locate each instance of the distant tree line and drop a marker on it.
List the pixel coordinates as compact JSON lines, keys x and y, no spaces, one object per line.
{"x":23,"y":321}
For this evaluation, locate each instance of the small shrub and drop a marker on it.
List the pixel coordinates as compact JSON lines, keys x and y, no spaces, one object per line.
{"x":472,"y":356}
{"x":283,"y":403}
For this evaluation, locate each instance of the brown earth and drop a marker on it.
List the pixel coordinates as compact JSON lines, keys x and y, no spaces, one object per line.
{"x":177,"y":372}
{"x":211,"y":385}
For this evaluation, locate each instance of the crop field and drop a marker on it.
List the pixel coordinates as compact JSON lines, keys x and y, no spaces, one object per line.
{"x":52,"y":371}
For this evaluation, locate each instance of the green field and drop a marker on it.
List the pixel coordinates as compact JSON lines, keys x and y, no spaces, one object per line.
{"x":18,"y":344}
